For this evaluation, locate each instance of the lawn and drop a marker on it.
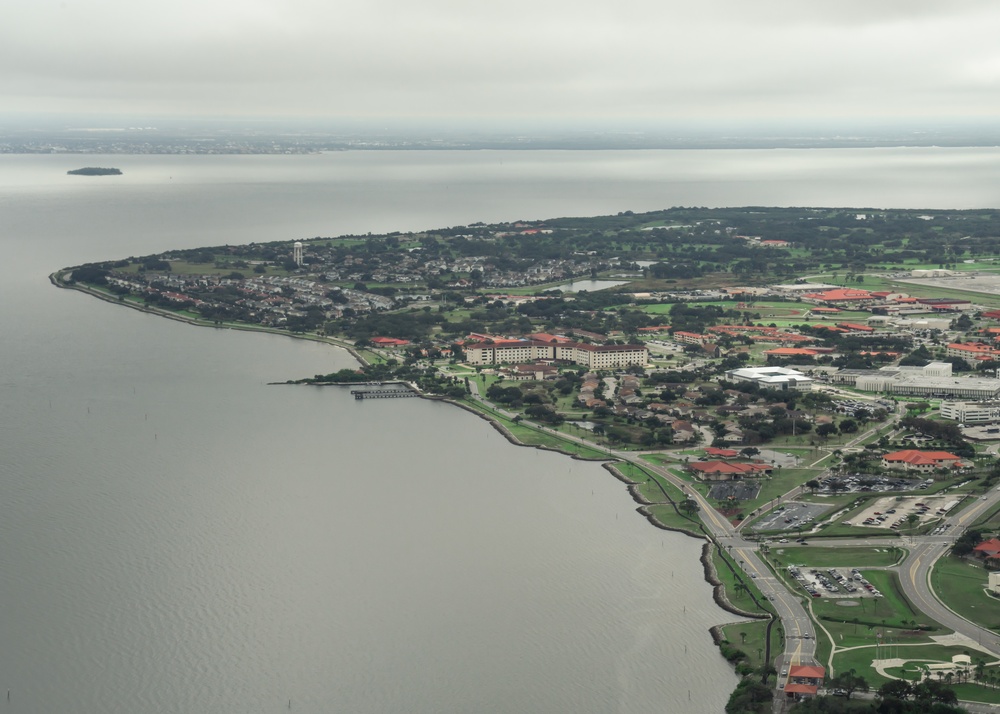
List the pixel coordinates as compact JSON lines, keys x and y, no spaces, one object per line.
{"x":840,"y":557}
{"x":989,"y":521}
{"x":960,"y":585}
{"x":741,"y":590}
{"x":750,"y":637}
{"x":860,"y":660}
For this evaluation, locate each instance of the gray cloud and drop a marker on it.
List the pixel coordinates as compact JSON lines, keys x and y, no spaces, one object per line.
{"x":549,"y":58}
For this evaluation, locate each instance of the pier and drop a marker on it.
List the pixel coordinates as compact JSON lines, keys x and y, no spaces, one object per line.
{"x":383,"y":393}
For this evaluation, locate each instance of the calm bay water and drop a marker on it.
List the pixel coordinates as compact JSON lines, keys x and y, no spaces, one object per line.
{"x":178,"y":536}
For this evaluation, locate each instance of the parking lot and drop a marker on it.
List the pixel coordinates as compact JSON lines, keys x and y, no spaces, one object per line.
{"x":863,"y":483}
{"x":792,"y":515}
{"x":834,"y":582}
{"x":738,"y":490}
{"x":892,"y":512}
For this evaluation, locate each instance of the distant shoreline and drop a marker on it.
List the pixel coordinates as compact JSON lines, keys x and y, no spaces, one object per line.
{"x":94,"y":171}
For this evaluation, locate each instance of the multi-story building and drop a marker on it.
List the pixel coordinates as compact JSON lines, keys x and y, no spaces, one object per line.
{"x":971,"y":412}
{"x":592,"y":356}
{"x":973,"y":352}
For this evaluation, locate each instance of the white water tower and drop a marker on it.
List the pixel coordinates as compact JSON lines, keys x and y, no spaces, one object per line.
{"x":297,"y":253}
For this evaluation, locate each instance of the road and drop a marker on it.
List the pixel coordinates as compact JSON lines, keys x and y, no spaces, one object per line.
{"x":915,"y":570}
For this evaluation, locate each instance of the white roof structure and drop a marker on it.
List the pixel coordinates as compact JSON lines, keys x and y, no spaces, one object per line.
{"x":777,"y":377}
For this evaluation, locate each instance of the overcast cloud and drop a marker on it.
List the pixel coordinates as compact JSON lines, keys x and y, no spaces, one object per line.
{"x":549,"y":59}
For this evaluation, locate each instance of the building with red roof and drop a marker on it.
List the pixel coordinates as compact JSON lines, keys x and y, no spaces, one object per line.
{"x":988,"y":549}
{"x":388,"y":342}
{"x":691,"y":338}
{"x":972,"y":352}
{"x":804,"y":680}
{"x":914,"y":459}
{"x":546,"y":337}
{"x":841,"y":295}
{"x":724,"y":471}
{"x":855,"y":327}
{"x":522,"y":351}
{"x":791,"y":352}
{"x":721,"y":453}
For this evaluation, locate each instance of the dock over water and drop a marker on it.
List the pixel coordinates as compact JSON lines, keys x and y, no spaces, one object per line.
{"x":383,"y":393}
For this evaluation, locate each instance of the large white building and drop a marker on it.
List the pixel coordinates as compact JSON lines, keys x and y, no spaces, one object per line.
{"x":772,"y":377}
{"x":592,"y":356}
{"x":933,"y":380}
{"x":971,"y":412}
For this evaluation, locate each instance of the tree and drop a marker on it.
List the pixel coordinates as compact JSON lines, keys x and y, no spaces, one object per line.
{"x":896,"y":688}
{"x":848,"y":426}
{"x":826,"y":430}
{"x":689,"y":506}
{"x":850,"y":682}
{"x":749,"y":697}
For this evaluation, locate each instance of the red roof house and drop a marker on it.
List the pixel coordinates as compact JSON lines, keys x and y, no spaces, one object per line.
{"x":724,"y":471}
{"x":988,"y":548}
{"x":841,"y":295}
{"x":721,"y":453}
{"x":920,"y":460}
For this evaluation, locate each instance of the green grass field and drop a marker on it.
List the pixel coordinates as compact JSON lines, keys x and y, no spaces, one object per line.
{"x":750,"y":637}
{"x":960,"y":585}
{"x":840,"y":557}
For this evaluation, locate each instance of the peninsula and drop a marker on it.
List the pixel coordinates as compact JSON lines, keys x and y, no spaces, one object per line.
{"x":95,"y":171}
{"x":811,"y":391}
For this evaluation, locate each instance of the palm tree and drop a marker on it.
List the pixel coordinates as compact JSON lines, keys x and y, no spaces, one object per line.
{"x":743,"y":638}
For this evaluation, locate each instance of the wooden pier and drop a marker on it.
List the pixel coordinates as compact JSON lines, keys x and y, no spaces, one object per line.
{"x":383,"y":393}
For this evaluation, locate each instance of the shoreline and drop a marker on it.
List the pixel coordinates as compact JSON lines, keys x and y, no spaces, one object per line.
{"x":610,"y":464}
{"x":56,"y":279}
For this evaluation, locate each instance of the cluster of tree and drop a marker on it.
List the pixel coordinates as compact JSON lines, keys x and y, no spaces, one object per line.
{"x":967,"y":542}
{"x":91,"y":274}
{"x":750,"y":697}
{"x":411,"y":326}
{"x":942,"y":431}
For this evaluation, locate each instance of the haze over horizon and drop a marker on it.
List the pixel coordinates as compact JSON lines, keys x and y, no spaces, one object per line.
{"x":586,"y":65}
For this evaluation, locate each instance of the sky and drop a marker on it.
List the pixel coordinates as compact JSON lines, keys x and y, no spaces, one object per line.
{"x":551,"y":60}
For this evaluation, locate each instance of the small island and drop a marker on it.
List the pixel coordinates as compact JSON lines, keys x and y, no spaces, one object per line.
{"x":95,"y":171}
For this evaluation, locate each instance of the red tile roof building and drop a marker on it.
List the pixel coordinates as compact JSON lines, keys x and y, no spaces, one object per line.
{"x":988,"y":548}
{"x":972,"y":352}
{"x":804,"y":680}
{"x":724,"y":471}
{"x":913,"y":459}
{"x":721,"y":453}
{"x":791,"y":352}
{"x":691,"y":338}
{"x":388,"y":342}
{"x":841,"y":295}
